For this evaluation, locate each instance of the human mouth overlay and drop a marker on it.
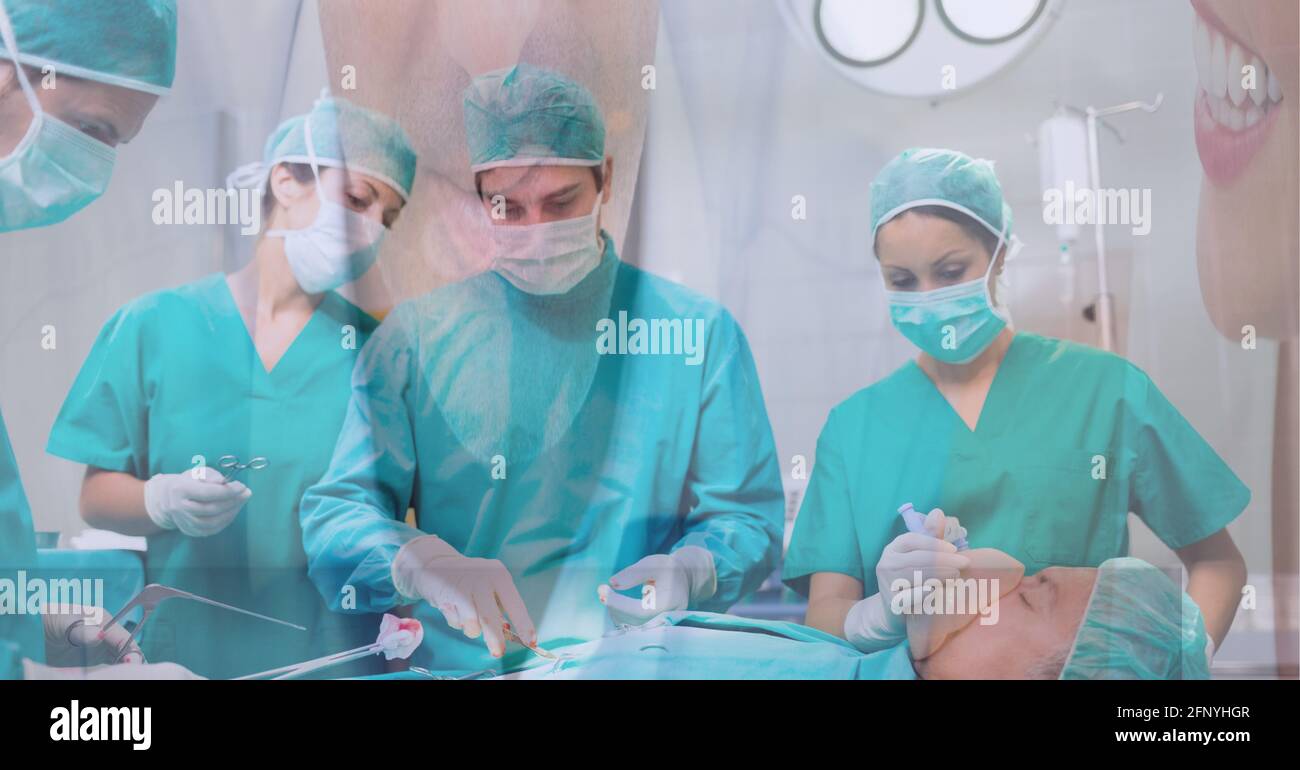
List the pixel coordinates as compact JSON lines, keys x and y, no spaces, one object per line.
{"x":1231,"y":120}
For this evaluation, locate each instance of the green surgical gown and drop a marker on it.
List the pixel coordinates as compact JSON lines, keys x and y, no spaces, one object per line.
{"x":491,"y":413}
{"x":1070,"y":440}
{"x":173,"y":378}
{"x":20,"y":633}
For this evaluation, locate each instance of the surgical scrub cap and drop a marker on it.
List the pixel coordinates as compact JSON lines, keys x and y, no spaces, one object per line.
{"x":343,"y":135}
{"x":1138,"y":625}
{"x":526,"y":116}
{"x":127,"y":43}
{"x":928,"y":177}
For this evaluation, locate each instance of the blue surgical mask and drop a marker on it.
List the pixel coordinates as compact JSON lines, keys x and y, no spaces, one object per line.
{"x":55,"y":171}
{"x":953,"y":324}
{"x":548,"y":258}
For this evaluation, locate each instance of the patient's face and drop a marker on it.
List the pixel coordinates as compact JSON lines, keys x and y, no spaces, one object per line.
{"x":1037,"y":619}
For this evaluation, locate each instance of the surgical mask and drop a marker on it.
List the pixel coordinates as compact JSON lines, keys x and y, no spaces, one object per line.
{"x":547,"y":258}
{"x":56,"y":170}
{"x":338,"y":246}
{"x":953,"y":324}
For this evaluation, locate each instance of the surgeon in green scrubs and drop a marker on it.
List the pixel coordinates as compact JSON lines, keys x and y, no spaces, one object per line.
{"x":254,"y":364}
{"x":57,"y":151}
{"x":1040,"y":447}
{"x":564,"y":480}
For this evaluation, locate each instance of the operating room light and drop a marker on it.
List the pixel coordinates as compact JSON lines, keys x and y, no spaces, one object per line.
{"x":867,"y":34}
{"x":984,"y":22}
{"x":928,"y":49}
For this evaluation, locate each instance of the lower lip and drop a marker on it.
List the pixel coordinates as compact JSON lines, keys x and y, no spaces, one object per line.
{"x":1225,"y":153}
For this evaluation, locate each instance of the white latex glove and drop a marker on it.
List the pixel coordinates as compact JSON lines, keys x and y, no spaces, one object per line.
{"x":196,"y":502}
{"x":870,"y":627}
{"x":928,"y":554}
{"x":73,"y":638}
{"x":911,"y":553}
{"x":872,"y":624}
{"x":124,"y":671}
{"x":671,"y":582}
{"x":476,"y":596}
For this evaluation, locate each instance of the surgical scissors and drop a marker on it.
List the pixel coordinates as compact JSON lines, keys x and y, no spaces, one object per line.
{"x":232,"y":467}
{"x":154,"y":594}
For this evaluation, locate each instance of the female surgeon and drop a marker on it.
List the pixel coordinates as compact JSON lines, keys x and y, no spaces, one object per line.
{"x":1041,"y":447}
{"x":254,"y":364}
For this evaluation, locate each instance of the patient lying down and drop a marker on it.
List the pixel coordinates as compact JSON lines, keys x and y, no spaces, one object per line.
{"x":983,"y":620}
{"x":972,"y":614}
{"x":1125,"y":620}
{"x":1025,"y":633}
{"x":1122,"y":620}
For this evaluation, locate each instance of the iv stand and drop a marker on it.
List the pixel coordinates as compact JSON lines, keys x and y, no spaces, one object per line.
{"x":1105,"y":308}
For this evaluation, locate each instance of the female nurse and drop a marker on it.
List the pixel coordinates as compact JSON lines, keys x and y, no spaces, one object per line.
{"x":1041,"y":447}
{"x":254,"y":364}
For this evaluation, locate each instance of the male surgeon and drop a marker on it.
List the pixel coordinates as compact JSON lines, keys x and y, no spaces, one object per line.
{"x":566,"y":471}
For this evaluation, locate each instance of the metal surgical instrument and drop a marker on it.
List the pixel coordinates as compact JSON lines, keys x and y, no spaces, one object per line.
{"x":154,"y":594}
{"x":232,"y":467}
{"x":510,"y":632}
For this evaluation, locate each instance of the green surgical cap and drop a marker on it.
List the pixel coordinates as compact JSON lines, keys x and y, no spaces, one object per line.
{"x":126,"y":43}
{"x":344,"y":135}
{"x":929,"y":177}
{"x":1138,"y":625}
{"x":526,"y":116}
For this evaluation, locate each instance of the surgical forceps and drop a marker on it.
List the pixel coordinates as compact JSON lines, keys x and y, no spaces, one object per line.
{"x":154,"y":594}
{"x":510,"y":632}
{"x":308,"y":666}
{"x":232,"y":467}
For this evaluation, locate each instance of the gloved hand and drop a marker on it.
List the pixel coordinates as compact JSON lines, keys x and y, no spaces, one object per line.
{"x":913,"y":555}
{"x":672,"y":582}
{"x":476,"y":596}
{"x":73,"y":638}
{"x":947,"y":528}
{"x":196,"y":502}
{"x":124,"y":671}
{"x":871,"y":627}
{"x":873,"y":624}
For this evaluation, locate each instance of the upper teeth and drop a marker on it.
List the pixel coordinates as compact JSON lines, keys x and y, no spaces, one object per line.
{"x":1219,"y":64}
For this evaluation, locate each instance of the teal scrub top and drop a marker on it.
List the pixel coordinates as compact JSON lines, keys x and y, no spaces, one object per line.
{"x":173,"y":380}
{"x":21,"y":634}
{"x":491,"y":413}
{"x":1070,"y":440}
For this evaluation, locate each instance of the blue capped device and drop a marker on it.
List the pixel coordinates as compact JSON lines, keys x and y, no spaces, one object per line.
{"x":915,"y":522}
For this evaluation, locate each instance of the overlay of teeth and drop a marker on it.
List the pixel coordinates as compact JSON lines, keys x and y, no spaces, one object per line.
{"x":1219,"y":60}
